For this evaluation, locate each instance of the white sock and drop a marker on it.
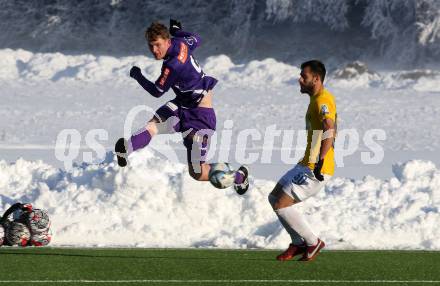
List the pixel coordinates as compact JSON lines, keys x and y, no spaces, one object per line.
{"x":297,"y":222}
{"x":129,"y":148}
{"x":296,"y":238}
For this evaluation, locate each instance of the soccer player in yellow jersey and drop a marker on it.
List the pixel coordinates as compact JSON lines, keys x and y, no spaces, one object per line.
{"x":309,"y":176}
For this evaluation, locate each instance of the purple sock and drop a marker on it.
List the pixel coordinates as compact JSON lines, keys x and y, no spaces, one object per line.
{"x":140,"y":140}
{"x":239,"y":178}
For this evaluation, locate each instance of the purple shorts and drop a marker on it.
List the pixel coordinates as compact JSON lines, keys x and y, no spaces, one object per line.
{"x":196,"y":125}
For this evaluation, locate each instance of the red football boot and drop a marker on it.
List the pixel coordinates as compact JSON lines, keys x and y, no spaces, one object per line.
{"x":291,"y":252}
{"x":312,"y":251}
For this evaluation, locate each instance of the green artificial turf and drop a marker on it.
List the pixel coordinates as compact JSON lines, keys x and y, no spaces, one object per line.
{"x":135,"y":266}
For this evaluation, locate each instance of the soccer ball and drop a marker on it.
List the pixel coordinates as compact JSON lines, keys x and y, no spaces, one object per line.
{"x":2,"y":235}
{"x":17,"y":233}
{"x":37,"y":220}
{"x":221,"y":175}
{"x":41,"y":239}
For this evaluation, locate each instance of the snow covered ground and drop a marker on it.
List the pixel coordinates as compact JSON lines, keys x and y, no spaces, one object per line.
{"x":155,"y":203}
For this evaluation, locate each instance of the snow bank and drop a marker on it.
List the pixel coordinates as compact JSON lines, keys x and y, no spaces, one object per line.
{"x":268,"y":72}
{"x":154,"y":203}
{"x":419,"y":80}
{"x":358,"y":75}
{"x":24,"y":65}
{"x":355,"y":74}
{"x":21,"y":64}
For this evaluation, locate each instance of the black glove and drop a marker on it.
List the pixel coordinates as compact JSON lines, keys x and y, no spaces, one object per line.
{"x":135,"y":72}
{"x":317,"y":170}
{"x":174,"y":27}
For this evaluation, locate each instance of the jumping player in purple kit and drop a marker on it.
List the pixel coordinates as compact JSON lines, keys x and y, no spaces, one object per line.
{"x":190,"y":112}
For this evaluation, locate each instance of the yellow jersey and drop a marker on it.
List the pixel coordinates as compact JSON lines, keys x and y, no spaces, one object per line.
{"x":321,"y":106}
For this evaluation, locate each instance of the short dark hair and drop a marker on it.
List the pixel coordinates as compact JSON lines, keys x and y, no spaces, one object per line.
{"x":316,"y":67}
{"x":157,"y":30}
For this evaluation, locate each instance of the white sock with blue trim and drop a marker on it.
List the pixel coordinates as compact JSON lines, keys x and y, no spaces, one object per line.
{"x":297,"y":222}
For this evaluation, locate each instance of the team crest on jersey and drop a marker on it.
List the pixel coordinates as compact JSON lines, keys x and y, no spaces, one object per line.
{"x":183,"y":54}
{"x":164,"y":77}
{"x":324,"y":109}
{"x":189,"y":40}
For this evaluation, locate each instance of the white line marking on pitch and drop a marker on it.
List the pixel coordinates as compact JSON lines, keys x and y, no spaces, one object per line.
{"x":221,"y":281}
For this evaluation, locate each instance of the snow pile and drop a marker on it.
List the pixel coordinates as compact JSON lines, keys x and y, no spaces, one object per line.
{"x":398,"y":213}
{"x":28,"y":66}
{"x":419,"y":80}
{"x":358,"y":75}
{"x":154,"y":203}
{"x":25,"y":65}
{"x":268,"y":72}
{"x":21,"y":64}
{"x":355,"y":74}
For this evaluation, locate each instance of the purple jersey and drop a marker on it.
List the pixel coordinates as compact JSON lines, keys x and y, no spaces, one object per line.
{"x":181,"y":72}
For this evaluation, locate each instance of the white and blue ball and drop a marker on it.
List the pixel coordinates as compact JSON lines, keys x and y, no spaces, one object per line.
{"x":221,"y":175}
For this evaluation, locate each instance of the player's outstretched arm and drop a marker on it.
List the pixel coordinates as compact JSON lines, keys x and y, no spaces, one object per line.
{"x":150,"y":87}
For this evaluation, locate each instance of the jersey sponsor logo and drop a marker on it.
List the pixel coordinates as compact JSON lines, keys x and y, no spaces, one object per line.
{"x":324,"y":109}
{"x":183,"y":54}
{"x":164,"y":77}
